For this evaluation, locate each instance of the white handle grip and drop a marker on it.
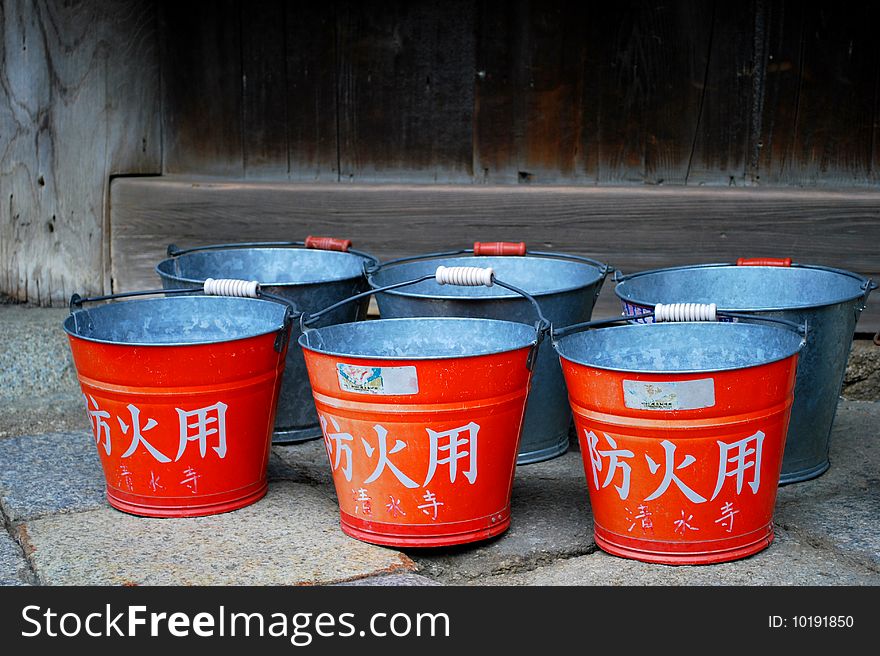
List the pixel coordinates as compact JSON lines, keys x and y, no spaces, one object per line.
{"x":231,"y":287}
{"x":685,"y":312}
{"x":465,"y":276}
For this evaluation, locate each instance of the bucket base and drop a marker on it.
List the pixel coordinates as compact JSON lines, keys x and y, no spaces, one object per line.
{"x":694,"y":558}
{"x":804,"y":474}
{"x":296,"y":435}
{"x":141,"y":510}
{"x":548,"y":453}
{"x":393,"y":535}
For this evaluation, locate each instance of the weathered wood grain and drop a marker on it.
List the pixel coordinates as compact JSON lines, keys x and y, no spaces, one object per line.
{"x":676,"y":42}
{"x":202,"y":88}
{"x":729,"y":93}
{"x":311,"y":54}
{"x":405,"y":91}
{"x":698,"y":92}
{"x":79,"y":102}
{"x":529,"y":103}
{"x":264,"y":89}
{"x":633,"y":229}
{"x":616,"y":99}
{"x":821,"y":94}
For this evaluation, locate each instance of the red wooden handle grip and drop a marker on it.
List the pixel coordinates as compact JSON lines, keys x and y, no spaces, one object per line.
{"x":764,"y":261}
{"x":499,"y":248}
{"x":328,"y":243}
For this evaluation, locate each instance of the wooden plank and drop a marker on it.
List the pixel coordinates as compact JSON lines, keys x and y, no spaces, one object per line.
{"x":821,"y":100}
{"x":631,"y":228}
{"x":310,"y":43}
{"x":202,"y":88}
{"x":618,"y":94}
{"x":405,"y":78}
{"x":264,"y":89}
{"x":676,"y":40}
{"x":529,"y":96}
{"x":733,"y":79}
{"x":651,"y":61}
{"x":79,"y":102}
{"x":645,"y":68}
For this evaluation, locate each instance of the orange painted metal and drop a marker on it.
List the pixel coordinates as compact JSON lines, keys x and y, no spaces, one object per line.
{"x":328,"y":243}
{"x":432,"y":467}
{"x":692,"y":486}
{"x":181,"y":430}
{"x":764,"y":261}
{"x":499,"y":248}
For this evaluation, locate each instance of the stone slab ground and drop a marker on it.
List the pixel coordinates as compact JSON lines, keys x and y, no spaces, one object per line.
{"x":59,"y":529}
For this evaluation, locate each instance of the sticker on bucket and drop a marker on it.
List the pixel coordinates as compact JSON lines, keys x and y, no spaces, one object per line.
{"x":673,"y":395}
{"x":377,"y":380}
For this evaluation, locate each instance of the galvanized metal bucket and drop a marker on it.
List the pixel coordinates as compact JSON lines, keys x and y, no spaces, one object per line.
{"x":566,"y":287}
{"x":325,"y":271}
{"x":828,"y":300}
{"x":422,"y":419}
{"x":682,"y":428}
{"x":181,"y":393}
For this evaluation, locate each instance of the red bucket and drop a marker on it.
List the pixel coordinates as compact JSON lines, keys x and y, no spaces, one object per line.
{"x":422,"y":418}
{"x":682,"y":428}
{"x":181,"y":395}
{"x":422,"y":421}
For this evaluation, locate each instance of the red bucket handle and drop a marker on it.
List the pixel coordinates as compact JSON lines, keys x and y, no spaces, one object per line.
{"x":328,"y":243}
{"x":764,"y":261}
{"x":499,"y":248}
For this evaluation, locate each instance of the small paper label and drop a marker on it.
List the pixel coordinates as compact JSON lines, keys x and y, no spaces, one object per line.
{"x":677,"y":395}
{"x":377,"y":380}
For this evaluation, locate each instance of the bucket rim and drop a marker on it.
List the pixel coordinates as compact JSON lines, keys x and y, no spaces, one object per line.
{"x":476,"y":259}
{"x":417,"y":358}
{"x":65,"y":325}
{"x":164,"y":275}
{"x":805,"y":306}
{"x":666,"y":326}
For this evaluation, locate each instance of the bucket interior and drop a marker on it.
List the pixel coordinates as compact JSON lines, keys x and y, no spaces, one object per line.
{"x":420,"y":338}
{"x":270,"y":266}
{"x":743,"y":287}
{"x":179,"y":320}
{"x":679,"y":347}
{"x":536,"y":275}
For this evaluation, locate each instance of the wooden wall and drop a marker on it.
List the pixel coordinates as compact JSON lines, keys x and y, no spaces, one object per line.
{"x":696,"y":92}
{"x":79,"y":103}
{"x":635,"y":93}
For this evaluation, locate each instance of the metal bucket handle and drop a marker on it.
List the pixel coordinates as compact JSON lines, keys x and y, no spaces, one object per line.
{"x":867,"y":286}
{"x":496,"y":248}
{"x":677,"y":312}
{"x":461,"y":276}
{"x":211,"y":287}
{"x":318,"y":243}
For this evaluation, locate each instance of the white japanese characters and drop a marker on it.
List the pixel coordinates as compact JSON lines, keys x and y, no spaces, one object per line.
{"x":614,"y":463}
{"x":452,"y":446}
{"x":384,"y":461}
{"x":337,"y":443}
{"x":97,"y":418}
{"x":739,"y":460}
{"x":204,"y":418}
{"x":209,"y":422}
{"x":669,"y":475}
{"x":454,"y":450}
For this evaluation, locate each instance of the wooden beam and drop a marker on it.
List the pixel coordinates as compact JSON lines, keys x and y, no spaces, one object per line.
{"x":202,"y":122}
{"x":79,"y":102}
{"x":631,"y":228}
